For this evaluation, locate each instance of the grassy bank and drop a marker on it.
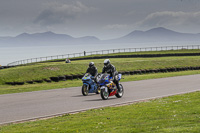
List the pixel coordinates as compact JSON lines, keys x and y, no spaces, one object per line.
{"x":7,"y":89}
{"x":39,"y":71}
{"x":177,"y":114}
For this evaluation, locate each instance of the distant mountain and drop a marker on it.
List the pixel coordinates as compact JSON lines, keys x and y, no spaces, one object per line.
{"x":89,"y":38}
{"x":49,"y":38}
{"x":46,"y":38}
{"x":159,"y":34}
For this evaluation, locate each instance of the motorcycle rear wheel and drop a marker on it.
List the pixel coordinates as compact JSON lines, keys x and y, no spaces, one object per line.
{"x":121,"y":92}
{"x":85,"y":90}
{"x":104,"y":94}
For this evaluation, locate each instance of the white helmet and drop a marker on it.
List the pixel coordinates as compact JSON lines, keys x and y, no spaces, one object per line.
{"x":106,"y":62}
{"x":91,"y":64}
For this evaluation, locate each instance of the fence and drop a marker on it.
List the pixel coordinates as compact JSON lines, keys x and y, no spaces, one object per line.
{"x":101,"y":52}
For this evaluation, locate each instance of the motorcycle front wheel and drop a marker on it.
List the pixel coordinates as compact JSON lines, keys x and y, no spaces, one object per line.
{"x":98,"y":90}
{"x":121,"y":92}
{"x":85,"y":89}
{"x":104,"y":93}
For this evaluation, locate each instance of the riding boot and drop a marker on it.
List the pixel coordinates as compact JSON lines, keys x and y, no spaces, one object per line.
{"x":118,"y":88}
{"x":96,"y":82}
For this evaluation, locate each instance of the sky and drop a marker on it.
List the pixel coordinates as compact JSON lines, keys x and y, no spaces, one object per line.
{"x":105,"y":19}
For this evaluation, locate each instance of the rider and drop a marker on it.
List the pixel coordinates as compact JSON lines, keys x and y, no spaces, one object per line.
{"x":92,"y":70}
{"x":110,"y":69}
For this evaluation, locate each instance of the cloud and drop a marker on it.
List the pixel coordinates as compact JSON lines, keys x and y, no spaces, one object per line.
{"x":171,"y":19}
{"x":58,"y":13}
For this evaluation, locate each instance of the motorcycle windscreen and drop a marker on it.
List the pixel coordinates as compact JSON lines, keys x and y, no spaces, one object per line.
{"x":104,"y":78}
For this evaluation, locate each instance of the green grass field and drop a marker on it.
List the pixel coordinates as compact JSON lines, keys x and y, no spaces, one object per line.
{"x":174,"y":114}
{"x":39,"y":71}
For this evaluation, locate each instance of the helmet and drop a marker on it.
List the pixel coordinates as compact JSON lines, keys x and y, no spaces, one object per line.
{"x":91,"y":64}
{"x":106,"y":62}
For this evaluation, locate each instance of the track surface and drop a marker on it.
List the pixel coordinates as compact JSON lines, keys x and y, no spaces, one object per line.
{"x":31,"y":105}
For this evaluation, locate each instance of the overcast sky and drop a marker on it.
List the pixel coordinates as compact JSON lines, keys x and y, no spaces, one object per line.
{"x":105,"y":19}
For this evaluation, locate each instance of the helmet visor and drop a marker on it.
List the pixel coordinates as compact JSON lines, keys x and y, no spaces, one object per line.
{"x":106,"y":64}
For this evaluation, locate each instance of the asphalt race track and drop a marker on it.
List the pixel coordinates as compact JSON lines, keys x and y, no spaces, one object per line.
{"x":40,"y":104}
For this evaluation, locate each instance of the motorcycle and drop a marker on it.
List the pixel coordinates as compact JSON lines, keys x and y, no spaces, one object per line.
{"x":108,"y":87}
{"x":89,"y":85}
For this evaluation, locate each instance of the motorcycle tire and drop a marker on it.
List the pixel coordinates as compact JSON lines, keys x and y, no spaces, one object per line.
{"x":104,"y":94}
{"x":98,"y":90}
{"x":120,"y":94}
{"x":85,"y":90}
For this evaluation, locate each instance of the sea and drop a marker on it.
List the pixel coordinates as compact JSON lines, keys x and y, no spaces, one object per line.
{"x":12,"y":54}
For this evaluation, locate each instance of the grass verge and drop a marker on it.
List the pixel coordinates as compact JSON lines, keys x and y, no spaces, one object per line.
{"x":40,"y":71}
{"x":7,"y":89}
{"x":177,"y":114}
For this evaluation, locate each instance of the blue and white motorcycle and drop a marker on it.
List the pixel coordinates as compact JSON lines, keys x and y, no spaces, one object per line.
{"x":89,"y":85}
{"x":109,"y":88}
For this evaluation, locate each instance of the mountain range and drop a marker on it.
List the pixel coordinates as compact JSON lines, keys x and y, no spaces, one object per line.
{"x":159,"y":34}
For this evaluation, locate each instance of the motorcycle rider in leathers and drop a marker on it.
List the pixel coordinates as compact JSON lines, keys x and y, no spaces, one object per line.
{"x":92,"y":70}
{"x":110,"y":69}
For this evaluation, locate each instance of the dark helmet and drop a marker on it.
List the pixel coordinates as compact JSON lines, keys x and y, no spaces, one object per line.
{"x":91,"y":64}
{"x":106,"y":62}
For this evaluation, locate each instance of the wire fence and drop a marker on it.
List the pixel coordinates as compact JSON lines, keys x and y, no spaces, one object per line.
{"x":101,"y":52}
